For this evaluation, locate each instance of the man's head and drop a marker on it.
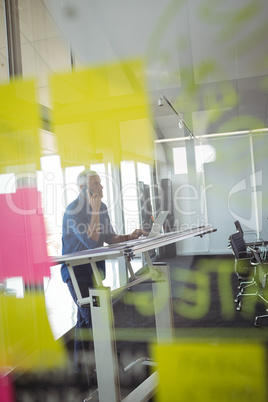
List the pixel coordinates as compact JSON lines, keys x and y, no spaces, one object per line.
{"x":91,"y":179}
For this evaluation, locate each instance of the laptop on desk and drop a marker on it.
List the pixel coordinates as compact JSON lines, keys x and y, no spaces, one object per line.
{"x":157,"y":225}
{"x":155,"y":231}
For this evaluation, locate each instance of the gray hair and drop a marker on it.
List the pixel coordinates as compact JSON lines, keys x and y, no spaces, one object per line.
{"x":82,"y":177}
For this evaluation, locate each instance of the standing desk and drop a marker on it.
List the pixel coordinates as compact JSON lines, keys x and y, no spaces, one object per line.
{"x":100,"y":300}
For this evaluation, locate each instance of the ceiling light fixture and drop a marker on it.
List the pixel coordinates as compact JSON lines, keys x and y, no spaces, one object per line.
{"x":191,"y":136}
{"x":160,"y":101}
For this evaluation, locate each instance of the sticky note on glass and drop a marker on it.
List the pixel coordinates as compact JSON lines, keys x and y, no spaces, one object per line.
{"x":19,"y":128}
{"x":26,"y":339}
{"x":6,"y":387}
{"x":102,"y":115}
{"x":23,"y":249}
{"x":223,"y":372}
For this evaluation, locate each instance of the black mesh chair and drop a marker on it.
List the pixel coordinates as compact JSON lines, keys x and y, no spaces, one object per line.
{"x":244,"y":267}
{"x":253,"y":236}
{"x":262,"y":279}
{"x":239,"y":227}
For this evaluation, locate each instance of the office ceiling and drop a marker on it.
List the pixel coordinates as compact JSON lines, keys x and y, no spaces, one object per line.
{"x":209,"y":58}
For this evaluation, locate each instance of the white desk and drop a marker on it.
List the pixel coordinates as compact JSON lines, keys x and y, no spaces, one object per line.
{"x":101,"y":305}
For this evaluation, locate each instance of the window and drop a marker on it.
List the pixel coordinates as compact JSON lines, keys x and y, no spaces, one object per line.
{"x":130,"y":196}
{"x":204,"y":154}
{"x":7,"y":183}
{"x":180,"y":160}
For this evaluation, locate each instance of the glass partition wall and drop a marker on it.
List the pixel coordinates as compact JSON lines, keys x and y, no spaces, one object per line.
{"x":217,"y":180}
{"x":60,"y":116}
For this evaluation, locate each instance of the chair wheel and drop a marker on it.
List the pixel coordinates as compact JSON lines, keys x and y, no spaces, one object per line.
{"x":238,"y":308}
{"x":237,"y":299}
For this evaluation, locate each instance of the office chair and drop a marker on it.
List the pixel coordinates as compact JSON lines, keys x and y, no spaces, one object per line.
{"x":262,"y":282}
{"x":239,"y":227}
{"x":242,"y":255}
{"x":256,"y":242}
{"x":244,"y":267}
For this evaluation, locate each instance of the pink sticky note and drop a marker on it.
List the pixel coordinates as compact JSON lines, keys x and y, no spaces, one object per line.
{"x":23,"y":250}
{"x":6,"y":389}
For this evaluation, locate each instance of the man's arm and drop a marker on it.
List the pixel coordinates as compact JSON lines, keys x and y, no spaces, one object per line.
{"x":122,"y":238}
{"x":93,"y":230}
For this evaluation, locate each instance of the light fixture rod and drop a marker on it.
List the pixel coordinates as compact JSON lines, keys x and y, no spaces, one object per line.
{"x":175,"y":111}
{"x":216,"y":135}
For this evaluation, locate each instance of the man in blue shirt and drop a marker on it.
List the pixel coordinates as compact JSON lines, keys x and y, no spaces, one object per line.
{"x":86,"y":225}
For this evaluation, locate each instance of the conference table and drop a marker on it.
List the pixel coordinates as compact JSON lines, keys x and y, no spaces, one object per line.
{"x":101,"y":299}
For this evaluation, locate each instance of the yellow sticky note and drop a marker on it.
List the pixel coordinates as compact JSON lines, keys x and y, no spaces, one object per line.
{"x":102,"y":115}
{"x":19,"y":128}
{"x":223,"y":372}
{"x":26,"y":339}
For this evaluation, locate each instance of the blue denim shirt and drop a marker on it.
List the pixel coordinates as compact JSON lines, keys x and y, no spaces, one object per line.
{"x":76,"y":220}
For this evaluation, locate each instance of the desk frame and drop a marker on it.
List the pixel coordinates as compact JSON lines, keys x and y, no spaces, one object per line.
{"x":100,"y":299}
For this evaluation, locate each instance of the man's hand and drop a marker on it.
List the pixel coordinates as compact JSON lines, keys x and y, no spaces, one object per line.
{"x":94,"y":201}
{"x":121,"y":238}
{"x":137,"y":233}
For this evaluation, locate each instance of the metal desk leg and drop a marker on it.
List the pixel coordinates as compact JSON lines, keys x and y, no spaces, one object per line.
{"x":122,"y":271}
{"x":74,"y":282}
{"x":96,"y":273}
{"x":104,"y":345}
{"x":163,"y":305}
